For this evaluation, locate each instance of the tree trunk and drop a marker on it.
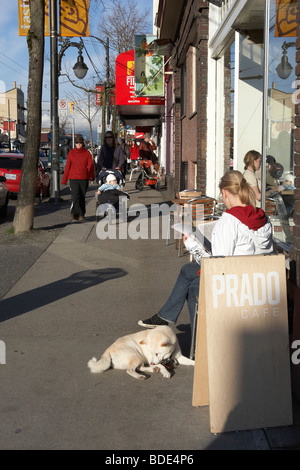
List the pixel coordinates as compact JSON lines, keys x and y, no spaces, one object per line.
{"x":24,"y":215}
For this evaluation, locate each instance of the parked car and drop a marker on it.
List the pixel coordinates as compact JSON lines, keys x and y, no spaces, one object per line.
{"x":11,"y":166}
{"x":4,"y":196}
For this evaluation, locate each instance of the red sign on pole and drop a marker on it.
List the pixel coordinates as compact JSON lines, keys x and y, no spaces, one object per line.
{"x":99,"y":92}
{"x":12,"y":125}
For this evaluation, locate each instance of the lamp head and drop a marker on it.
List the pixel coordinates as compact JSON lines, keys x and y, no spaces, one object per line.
{"x":80,"y":68}
{"x":284,"y":69}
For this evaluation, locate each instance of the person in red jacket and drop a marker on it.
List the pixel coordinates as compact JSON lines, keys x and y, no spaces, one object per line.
{"x":134,"y":150}
{"x":79,"y":170}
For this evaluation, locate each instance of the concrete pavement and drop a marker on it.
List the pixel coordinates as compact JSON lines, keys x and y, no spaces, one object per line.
{"x":80,"y":295}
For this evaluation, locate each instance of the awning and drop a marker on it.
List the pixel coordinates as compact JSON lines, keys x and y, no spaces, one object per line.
{"x":141,"y":115}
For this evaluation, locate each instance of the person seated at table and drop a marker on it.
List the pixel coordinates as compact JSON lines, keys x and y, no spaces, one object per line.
{"x":243,"y":229}
{"x":273,"y":175}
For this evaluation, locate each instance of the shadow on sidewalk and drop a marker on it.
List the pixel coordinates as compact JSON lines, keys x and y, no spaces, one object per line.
{"x":49,"y":293}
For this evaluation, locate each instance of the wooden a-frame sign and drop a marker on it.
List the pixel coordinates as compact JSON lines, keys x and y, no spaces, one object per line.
{"x":242,"y":364}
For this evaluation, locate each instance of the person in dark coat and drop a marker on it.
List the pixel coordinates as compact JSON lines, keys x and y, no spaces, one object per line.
{"x":147,"y":148}
{"x":65,"y":149}
{"x":120,"y":158}
{"x":106,"y":155}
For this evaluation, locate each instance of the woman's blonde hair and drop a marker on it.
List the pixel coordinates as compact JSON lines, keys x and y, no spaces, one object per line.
{"x":234,"y":182}
{"x":250,"y":157}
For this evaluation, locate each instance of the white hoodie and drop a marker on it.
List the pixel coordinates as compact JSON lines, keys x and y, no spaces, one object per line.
{"x":231,"y":237}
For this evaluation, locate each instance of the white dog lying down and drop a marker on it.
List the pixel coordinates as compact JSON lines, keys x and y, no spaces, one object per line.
{"x":133,"y":351}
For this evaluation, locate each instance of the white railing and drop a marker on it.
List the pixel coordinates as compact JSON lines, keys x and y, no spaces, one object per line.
{"x":226,"y":5}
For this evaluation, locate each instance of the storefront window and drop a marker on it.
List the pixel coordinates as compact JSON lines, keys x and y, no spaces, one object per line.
{"x":280,"y":114}
{"x":250,"y":86}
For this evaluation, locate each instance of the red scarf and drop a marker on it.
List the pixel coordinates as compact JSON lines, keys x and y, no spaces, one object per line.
{"x":253,"y":218}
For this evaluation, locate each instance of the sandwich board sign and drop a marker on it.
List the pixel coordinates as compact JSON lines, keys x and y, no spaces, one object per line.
{"x":242,"y":364}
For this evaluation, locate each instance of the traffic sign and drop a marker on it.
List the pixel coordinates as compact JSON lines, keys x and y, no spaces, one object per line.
{"x":62,"y":104}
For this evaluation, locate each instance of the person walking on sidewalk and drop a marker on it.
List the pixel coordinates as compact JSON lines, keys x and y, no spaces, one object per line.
{"x":106,"y":154}
{"x":79,"y":171}
{"x":146,"y":149}
{"x":243,"y":229}
{"x":134,"y":151}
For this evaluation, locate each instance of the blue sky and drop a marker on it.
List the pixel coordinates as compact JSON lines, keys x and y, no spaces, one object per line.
{"x":14,"y":53}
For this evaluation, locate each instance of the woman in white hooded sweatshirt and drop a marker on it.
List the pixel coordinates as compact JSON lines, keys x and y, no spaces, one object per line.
{"x":243,"y":229}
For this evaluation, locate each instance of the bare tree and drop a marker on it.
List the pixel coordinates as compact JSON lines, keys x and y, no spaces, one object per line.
{"x":121,"y":22}
{"x":24,"y":215}
{"x":86,"y":107}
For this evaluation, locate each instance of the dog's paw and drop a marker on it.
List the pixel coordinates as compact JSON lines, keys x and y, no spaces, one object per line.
{"x":142,"y":377}
{"x":166,"y":374}
{"x":155,"y":369}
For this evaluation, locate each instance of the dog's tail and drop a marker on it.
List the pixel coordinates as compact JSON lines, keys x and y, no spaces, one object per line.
{"x":103,"y":364}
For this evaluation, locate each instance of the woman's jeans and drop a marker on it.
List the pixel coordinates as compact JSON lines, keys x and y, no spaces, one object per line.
{"x":186,"y":288}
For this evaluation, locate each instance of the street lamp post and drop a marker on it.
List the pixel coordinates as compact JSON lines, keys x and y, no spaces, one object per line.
{"x":80,"y":70}
{"x":54,"y":100}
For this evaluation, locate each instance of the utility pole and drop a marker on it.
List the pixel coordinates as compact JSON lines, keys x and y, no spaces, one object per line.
{"x":9,"y":139}
{"x":72,"y":109}
{"x":103,"y":114}
{"x":106,"y":89}
{"x":107,"y":80}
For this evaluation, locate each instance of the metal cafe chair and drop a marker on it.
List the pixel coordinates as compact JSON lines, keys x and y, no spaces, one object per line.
{"x":185,"y":194}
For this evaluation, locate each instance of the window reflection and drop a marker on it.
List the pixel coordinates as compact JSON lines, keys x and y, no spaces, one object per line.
{"x":281,"y":114}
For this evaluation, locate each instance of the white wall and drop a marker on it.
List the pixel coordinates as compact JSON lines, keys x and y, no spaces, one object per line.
{"x":215,"y":112}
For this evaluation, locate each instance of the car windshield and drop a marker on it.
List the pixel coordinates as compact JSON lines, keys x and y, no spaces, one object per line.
{"x":11,"y":163}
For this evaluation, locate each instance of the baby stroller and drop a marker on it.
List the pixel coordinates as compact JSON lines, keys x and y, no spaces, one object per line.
{"x":101,"y":178}
{"x":113,"y":201}
{"x":149,"y":176}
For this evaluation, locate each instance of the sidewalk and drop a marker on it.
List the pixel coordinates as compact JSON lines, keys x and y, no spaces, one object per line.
{"x":79,"y":296}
